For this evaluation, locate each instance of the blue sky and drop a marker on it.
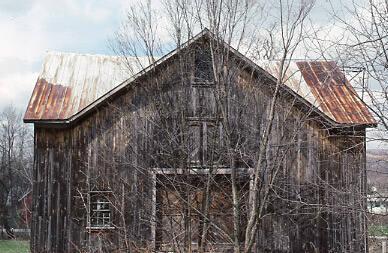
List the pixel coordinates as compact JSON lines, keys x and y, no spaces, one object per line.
{"x":30,"y":28}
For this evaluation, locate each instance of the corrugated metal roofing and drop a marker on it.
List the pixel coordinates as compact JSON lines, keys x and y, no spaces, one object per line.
{"x":325,"y":86}
{"x":70,"y":83}
{"x":334,"y":92}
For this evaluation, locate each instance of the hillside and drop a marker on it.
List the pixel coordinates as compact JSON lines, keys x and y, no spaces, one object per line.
{"x":377,"y":168}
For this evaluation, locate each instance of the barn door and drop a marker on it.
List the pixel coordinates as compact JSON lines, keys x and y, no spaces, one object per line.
{"x":180,"y":219}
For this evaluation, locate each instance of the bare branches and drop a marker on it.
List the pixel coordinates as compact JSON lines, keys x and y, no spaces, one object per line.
{"x":16,"y":164}
{"x":212,"y":149}
{"x":366,"y":47}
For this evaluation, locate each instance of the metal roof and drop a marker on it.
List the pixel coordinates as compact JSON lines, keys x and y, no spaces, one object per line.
{"x":325,"y":86}
{"x":334,"y":92}
{"x":71,"y":84}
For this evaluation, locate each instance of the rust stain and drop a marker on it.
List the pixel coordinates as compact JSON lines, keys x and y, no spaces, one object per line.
{"x":49,"y":101}
{"x":70,"y":82}
{"x":334,"y":92}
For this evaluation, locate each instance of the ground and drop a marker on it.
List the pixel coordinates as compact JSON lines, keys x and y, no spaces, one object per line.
{"x":378,"y":230}
{"x":14,"y":246}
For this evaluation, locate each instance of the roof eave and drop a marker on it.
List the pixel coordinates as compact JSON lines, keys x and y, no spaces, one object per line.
{"x":88,"y":109}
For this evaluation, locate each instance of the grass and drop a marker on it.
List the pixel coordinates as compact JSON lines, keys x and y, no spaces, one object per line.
{"x":14,"y":246}
{"x":378,"y":230}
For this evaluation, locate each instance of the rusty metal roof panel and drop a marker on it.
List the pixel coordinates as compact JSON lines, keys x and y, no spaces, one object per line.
{"x":336,"y":96}
{"x":325,"y":86}
{"x":69,"y":82}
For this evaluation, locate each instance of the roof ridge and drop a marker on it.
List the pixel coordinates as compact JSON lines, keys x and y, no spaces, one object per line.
{"x":306,"y":98}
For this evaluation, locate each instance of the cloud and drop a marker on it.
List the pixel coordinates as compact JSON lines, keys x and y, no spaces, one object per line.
{"x":16,"y":88}
{"x":15,"y":7}
{"x":31,"y":28}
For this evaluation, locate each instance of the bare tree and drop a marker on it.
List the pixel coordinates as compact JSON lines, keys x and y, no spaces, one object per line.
{"x":229,"y":22}
{"x":211,"y":150}
{"x":364,"y":48}
{"x":16,"y":164}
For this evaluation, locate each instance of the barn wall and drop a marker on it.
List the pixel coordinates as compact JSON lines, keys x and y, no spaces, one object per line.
{"x":319,"y":198}
{"x":107,"y":150}
{"x":51,"y":191}
{"x":116,"y":146}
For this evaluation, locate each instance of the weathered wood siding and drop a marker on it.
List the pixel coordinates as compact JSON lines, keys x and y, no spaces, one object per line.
{"x":318,"y":206}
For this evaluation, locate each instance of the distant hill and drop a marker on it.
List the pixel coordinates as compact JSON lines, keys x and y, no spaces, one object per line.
{"x":377,"y":168}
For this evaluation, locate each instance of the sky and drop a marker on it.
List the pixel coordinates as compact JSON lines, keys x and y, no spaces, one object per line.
{"x":30,"y":28}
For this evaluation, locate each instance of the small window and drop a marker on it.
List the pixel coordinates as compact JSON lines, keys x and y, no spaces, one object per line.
{"x":100,"y":210}
{"x":203,"y":74}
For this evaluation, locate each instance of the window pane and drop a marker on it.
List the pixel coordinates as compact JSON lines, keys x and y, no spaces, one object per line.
{"x":100,"y":213}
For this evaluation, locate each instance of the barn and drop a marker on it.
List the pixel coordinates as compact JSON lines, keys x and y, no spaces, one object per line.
{"x":184,"y":154}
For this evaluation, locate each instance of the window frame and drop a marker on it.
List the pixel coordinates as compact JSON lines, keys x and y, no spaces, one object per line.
{"x":201,"y":134}
{"x":97,"y":212}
